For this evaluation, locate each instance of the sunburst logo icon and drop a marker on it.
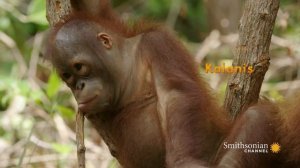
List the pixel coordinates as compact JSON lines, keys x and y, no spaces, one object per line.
{"x":275,"y":147}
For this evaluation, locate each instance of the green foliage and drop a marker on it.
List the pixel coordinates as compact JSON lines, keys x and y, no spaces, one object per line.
{"x":62,"y":148}
{"x":158,"y":8}
{"x":54,"y":83}
{"x":66,"y":112}
{"x":193,"y":23}
{"x":37,"y":13}
{"x":17,"y":92}
{"x":11,"y":87}
{"x":276,"y":95}
{"x":113,"y":164}
{"x":4,"y":23}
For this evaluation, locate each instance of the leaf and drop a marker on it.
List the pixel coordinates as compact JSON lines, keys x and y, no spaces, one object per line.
{"x":113,"y":163}
{"x":36,"y":95}
{"x":62,"y":148}
{"x":4,"y":23}
{"x":158,"y":8}
{"x":37,"y":12}
{"x":66,"y":112}
{"x":53,"y":86}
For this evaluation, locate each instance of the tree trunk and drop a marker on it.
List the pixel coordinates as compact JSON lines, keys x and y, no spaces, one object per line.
{"x":255,"y":34}
{"x":57,"y":9}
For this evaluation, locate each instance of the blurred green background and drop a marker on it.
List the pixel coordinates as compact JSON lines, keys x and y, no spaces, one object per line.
{"x":37,"y":111}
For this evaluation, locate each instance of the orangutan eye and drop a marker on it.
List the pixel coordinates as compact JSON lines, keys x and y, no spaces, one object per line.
{"x":78,"y":66}
{"x":81,"y":69}
{"x":66,"y":76}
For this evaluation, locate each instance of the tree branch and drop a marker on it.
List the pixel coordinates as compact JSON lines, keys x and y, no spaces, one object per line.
{"x":255,"y":34}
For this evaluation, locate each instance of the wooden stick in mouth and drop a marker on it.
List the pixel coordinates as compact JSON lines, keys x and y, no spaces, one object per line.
{"x":80,"y":139}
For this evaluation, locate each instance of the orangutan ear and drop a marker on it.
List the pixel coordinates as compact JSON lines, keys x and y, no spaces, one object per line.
{"x":105,"y":39}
